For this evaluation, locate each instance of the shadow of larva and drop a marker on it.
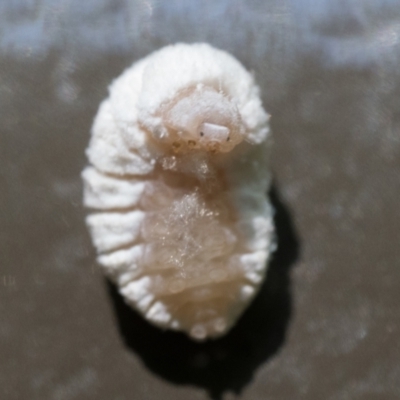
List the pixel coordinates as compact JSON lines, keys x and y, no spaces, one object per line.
{"x":228,"y":363}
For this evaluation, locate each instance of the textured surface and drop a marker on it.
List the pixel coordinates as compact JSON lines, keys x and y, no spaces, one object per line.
{"x":192,"y":250}
{"x":326,"y":325}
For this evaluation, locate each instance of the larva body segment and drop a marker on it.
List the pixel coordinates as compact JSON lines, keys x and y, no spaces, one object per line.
{"x":177,"y":183}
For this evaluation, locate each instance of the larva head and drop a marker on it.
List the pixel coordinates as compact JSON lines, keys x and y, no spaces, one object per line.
{"x":204,"y":119}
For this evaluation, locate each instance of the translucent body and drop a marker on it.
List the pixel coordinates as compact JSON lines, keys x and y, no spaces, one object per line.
{"x":178,"y":182}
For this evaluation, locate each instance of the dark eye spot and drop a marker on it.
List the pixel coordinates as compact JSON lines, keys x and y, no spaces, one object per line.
{"x":201,"y":133}
{"x":228,"y":139}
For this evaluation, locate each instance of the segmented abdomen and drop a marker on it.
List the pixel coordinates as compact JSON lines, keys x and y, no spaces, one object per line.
{"x":185,"y":240}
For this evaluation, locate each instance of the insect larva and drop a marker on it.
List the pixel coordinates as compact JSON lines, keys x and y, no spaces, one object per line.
{"x":177,"y":182}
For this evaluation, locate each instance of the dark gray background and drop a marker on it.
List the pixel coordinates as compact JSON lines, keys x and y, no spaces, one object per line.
{"x":326,"y":324}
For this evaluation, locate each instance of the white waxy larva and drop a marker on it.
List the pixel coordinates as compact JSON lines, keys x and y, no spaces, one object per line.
{"x":177,"y":183}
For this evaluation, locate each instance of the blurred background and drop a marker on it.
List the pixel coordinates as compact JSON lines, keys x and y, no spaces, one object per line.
{"x":326,"y":323}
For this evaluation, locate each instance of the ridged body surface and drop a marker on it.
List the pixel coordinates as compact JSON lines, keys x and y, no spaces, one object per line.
{"x":177,"y":185}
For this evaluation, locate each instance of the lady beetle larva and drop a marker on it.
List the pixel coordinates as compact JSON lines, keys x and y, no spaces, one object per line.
{"x":177,"y":182}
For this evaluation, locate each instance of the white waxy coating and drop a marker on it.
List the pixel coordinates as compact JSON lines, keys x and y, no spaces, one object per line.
{"x":106,"y":192}
{"x":111,"y":231}
{"x":178,"y":180}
